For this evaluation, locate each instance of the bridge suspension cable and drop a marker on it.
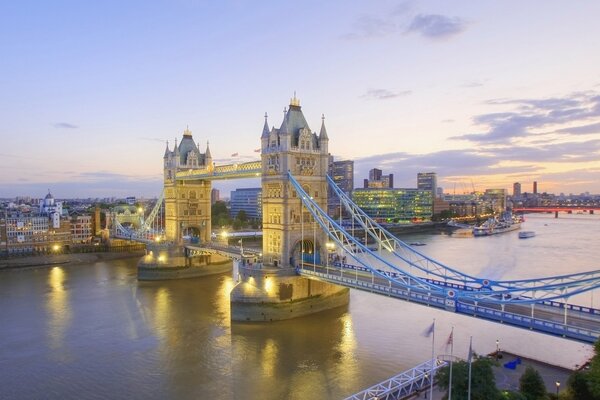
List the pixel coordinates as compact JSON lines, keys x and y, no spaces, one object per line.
{"x":401,"y":250}
{"x":534,"y":290}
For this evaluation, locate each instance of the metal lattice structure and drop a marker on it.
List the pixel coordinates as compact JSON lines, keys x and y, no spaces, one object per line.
{"x":449,"y":281}
{"x":404,"y":384}
{"x":151,"y":229}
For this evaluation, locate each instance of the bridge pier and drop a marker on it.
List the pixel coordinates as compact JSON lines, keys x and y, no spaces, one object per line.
{"x":555,"y":214}
{"x":265,"y":294}
{"x":164,"y":261}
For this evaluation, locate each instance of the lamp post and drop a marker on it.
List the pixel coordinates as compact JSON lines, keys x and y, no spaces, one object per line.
{"x":497,"y":349}
{"x":557,"y":383}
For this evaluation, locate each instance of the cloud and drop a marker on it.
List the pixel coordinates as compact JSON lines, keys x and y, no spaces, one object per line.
{"x":435,"y":26}
{"x":528,"y":116}
{"x":367,"y":26}
{"x":384,"y":94}
{"x":582,"y":130}
{"x":401,"y":20}
{"x":64,"y":125}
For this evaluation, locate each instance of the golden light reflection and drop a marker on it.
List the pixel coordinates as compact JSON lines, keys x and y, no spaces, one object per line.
{"x":222,"y":301}
{"x":269,"y":358}
{"x":162,"y":306}
{"x":58,"y":307}
{"x":347,"y":368}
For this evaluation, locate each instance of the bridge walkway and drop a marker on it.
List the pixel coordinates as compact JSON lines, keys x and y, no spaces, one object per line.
{"x":548,"y":317}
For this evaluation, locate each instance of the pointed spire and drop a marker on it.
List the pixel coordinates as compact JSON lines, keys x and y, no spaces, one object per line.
{"x":323,"y":132}
{"x":294,"y":101}
{"x":175,"y":148}
{"x":207,"y":153}
{"x":265,"y":132}
{"x":187,"y":131}
{"x":167,"y":150}
{"x":283,"y":128}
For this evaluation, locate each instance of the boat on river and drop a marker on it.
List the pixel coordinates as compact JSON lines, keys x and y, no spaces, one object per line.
{"x":493,"y":226}
{"x":526,"y":234}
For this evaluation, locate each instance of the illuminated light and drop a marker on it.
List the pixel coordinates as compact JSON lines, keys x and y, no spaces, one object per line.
{"x":268,"y":285}
{"x":157,"y":239}
{"x":162,"y":258}
{"x":224,"y":234}
{"x":140,"y":210}
{"x":56,"y":247}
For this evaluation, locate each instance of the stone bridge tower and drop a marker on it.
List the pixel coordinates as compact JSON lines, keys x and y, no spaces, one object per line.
{"x":295,"y":148}
{"x":187,"y":202}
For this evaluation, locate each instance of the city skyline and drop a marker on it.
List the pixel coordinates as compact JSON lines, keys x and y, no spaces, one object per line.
{"x":484,"y":95}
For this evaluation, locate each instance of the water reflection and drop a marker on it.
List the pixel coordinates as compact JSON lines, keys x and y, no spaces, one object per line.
{"x":57,"y":307}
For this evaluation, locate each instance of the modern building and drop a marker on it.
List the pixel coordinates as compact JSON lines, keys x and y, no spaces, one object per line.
{"x":248,"y":200}
{"x":342,"y":173}
{"x":535,"y":188}
{"x":395,"y":205}
{"x":215,"y":196}
{"x":378,"y":181}
{"x":427,"y":181}
{"x":516,"y":189}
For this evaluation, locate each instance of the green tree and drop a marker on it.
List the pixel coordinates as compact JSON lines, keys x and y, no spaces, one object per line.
{"x":532,"y":385}
{"x":483,"y":382}
{"x":220,"y":214}
{"x":593,"y":375}
{"x":579,"y":387}
{"x":242,"y":216}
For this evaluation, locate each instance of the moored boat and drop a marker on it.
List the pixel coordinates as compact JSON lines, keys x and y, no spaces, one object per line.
{"x":526,"y":234}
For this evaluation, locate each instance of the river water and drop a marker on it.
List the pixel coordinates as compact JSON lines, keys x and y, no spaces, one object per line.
{"x":94,"y":332}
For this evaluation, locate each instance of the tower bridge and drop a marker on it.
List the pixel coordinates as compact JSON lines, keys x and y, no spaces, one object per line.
{"x":295,"y":273}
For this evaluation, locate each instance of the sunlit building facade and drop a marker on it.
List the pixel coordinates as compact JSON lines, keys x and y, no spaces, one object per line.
{"x":395,"y":205}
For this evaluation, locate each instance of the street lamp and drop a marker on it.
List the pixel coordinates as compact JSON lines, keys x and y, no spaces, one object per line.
{"x":497,"y":349}
{"x":557,"y":383}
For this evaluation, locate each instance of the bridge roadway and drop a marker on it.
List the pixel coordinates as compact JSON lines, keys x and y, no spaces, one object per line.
{"x":578,"y":323}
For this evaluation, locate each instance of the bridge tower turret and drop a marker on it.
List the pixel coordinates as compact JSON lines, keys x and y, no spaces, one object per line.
{"x":187,"y":203}
{"x":288,"y":228}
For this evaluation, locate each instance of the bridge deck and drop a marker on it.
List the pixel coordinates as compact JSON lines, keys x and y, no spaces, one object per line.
{"x":548,"y":317}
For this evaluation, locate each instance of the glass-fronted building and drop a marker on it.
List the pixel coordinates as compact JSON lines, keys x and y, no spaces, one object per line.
{"x":395,"y":205}
{"x":249,"y":200}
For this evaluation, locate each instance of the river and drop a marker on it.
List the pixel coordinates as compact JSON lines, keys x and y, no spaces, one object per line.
{"x":94,"y":332}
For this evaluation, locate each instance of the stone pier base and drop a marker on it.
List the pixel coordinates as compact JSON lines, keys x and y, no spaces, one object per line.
{"x":168,"y":262}
{"x":272,"y":294}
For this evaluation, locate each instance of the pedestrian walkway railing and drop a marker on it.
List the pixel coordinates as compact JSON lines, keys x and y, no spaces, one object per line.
{"x":414,"y":380}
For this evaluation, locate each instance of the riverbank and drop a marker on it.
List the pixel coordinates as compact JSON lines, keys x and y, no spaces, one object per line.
{"x":59,"y":259}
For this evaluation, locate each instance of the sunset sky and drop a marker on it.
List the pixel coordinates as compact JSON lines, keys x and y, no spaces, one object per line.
{"x":485,"y":93}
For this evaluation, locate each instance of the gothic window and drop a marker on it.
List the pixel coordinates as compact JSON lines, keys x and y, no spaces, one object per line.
{"x":183,"y":195}
{"x":192,"y":194}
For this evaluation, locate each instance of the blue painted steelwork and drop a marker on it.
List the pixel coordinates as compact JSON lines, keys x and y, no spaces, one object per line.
{"x":149,"y":230}
{"x":402,"y":385}
{"x":531,"y":292}
{"x":413,"y":258}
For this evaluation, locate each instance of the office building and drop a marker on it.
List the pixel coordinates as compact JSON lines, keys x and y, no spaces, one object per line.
{"x":427,"y":181}
{"x":378,"y":181}
{"x":516,"y":189}
{"x":249,"y":200}
{"x":395,"y":205}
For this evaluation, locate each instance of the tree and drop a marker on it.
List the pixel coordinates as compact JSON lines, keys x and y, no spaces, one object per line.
{"x":483,"y":382}
{"x":593,"y":375}
{"x":532,"y":385}
{"x":579,"y":387}
{"x":242,"y":216}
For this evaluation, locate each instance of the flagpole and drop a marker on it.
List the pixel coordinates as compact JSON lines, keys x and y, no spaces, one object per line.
{"x":432,"y":362}
{"x":451,"y":356}
{"x":470,"y":358}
